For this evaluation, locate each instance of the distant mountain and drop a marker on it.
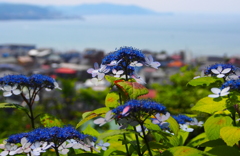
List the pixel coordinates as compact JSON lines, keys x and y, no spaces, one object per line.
{"x":27,"y":11}
{"x":103,"y":8}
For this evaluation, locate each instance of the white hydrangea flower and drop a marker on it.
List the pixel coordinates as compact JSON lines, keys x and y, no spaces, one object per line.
{"x":10,"y":90}
{"x":9,"y":149}
{"x":185,"y":128}
{"x":218,"y":92}
{"x":103,"y":145}
{"x":220,"y":72}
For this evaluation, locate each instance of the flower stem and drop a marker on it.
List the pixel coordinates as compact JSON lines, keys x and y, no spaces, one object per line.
{"x":138,"y":143}
{"x":56,"y":151}
{"x":145,"y":139}
{"x":126,"y":146}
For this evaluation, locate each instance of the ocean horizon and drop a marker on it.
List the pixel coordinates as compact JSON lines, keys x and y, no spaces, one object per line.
{"x":197,"y":34}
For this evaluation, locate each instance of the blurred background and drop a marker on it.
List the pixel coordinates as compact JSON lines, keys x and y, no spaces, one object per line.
{"x":63,"y":39}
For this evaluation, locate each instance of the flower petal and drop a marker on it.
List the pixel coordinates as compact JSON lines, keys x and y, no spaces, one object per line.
{"x":16,"y":92}
{"x":220,"y":75}
{"x":216,"y":90}
{"x":7,"y":94}
{"x":7,"y":88}
{"x":219,"y":68}
{"x":215,"y":71}
{"x":225,"y":71}
{"x":213,"y":95}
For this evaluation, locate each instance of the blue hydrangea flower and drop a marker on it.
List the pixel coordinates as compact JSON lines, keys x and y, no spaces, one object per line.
{"x":220,"y":70}
{"x":233,"y":84}
{"x":12,"y":80}
{"x":122,"y":58}
{"x":134,"y":107}
{"x":41,"y":81}
{"x":182,"y":119}
{"x":54,"y":134}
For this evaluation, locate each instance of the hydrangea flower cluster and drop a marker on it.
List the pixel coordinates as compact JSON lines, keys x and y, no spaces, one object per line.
{"x":15,"y":84}
{"x":184,"y":122}
{"x":41,"y":139}
{"x":228,"y":73}
{"x":135,"y":107}
{"x":122,"y":62}
{"x":220,"y":70}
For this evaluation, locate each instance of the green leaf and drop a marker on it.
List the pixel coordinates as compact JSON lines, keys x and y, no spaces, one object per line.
{"x":198,"y":140}
{"x":10,"y":105}
{"x":111,"y":79}
{"x":90,"y":131}
{"x":182,"y":151}
{"x":132,"y":89}
{"x":102,"y":110}
{"x":224,"y":151}
{"x":153,"y":145}
{"x":203,"y":81}
{"x":173,"y":125}
{"x":48,"y":120}
{"x":173,"y":140}
{"x":87,"y":154}
{"x":182,"y":136}
{"x":213,"y":143}
{"x":112,"y":133}
{"x":230,"y":134}
{"x":84,"y":115}
{"x":214,"y":123}
{"x":90,"y":115}
{"x":111,"y":100}
{"x":210,"y":105}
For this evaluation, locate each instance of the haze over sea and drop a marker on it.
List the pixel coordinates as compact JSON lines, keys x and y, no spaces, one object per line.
{"x":199,"y":34}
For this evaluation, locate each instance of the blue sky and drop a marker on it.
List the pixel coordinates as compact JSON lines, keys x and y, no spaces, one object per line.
{"x":193,"y":6}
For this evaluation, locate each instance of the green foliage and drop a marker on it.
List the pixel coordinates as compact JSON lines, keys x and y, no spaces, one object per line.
{"x":214,"y":124}
{"x":132,"y":90}
{"x":230,"y":134}
{"x":182,"y":151}
{"x":177,"y":96}
{"x":210,"y":105}
{"x":204,"y":81}
{"x":50,"y":121}
{"x":112,"y":100}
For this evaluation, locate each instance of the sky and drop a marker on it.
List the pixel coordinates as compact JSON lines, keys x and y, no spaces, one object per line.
{"x":193,"y":6}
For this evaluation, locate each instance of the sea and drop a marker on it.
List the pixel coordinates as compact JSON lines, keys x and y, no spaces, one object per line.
{"x":198,"y":34}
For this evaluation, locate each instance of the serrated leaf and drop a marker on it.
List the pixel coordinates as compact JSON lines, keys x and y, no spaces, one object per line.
{"x":203,"y":81}
{"x":173,"y":125}
{"x":213,"y":125}
{"x":48,"y":120}
{"x":90,"y":131}
{"x":90,"y":115}
{"x":224,"y":151}
{"x":230,"y":134}
{"x":111,"y":100}
{"x":198,"y":140}
{"x":210,"y":105}
{"x":11,"y":105}
{"x":112,"y":133}
{"x":182,"y":151}
{"x":132,"y":89}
